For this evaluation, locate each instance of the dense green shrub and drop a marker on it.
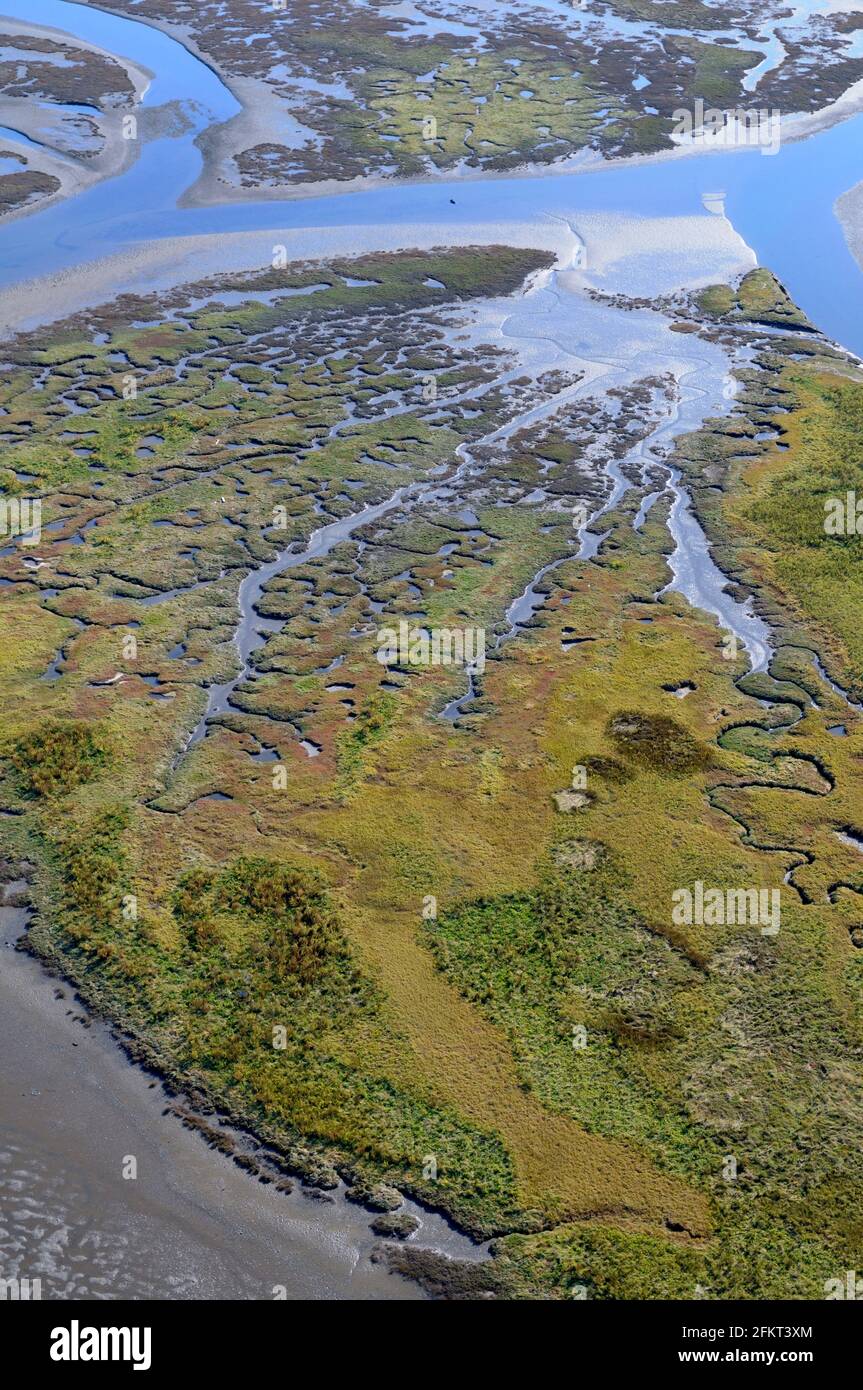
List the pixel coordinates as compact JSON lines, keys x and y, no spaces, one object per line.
{"x":56,"y":757}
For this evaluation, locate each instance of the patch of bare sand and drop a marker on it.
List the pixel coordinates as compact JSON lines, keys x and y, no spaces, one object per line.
{"x":849,"y":210}
{"x":709,"y":244}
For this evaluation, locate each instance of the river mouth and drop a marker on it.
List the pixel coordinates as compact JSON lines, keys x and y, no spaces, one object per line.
{"x":761,"y":195}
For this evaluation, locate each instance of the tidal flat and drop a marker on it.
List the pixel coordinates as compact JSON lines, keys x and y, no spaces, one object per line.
{"x":377,"y":91}
{"x":62,"y":108}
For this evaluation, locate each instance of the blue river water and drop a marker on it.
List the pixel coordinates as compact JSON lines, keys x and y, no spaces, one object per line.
{"x":782,"y":204}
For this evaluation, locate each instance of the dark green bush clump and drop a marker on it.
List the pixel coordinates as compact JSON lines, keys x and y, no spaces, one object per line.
{"x":56,"y":757}
{"x":656,"y":741}
{"x":290,"y":903}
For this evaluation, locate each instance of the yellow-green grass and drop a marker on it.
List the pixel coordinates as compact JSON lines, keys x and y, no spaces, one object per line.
{"x":776,"y":513}
{"x":452,"y":1034}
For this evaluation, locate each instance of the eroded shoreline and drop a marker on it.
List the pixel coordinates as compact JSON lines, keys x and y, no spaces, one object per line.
{"x":189,"y":1216}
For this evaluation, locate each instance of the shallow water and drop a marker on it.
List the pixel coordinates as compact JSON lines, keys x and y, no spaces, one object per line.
{"x":764,"y":195}
{"x":191,"y":1225}
{"x":252,"y":630}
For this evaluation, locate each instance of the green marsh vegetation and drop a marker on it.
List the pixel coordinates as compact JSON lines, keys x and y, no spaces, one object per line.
{"x":278,"y":960}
